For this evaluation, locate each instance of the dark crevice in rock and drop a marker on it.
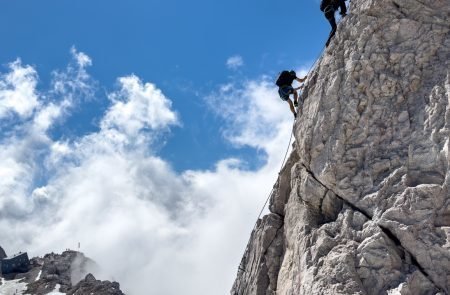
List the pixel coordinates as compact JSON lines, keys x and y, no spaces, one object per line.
{"x":339,"y":197}
{"x":414,"y":261}
{"x":399,"y":9}
{"x":391,"y":236}
{"x":330,"y":207}
{"x":274,"y":238}
{"x":386,"y":231}
{"x":322,"y":200}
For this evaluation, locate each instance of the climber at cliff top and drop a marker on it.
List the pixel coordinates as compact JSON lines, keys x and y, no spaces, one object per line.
{"x":284,"y":82}
{"x":329,"y":7}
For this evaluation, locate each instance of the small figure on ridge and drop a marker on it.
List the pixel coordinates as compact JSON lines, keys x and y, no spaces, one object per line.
{"x":329,"y":7}
{"x":284,"y":82}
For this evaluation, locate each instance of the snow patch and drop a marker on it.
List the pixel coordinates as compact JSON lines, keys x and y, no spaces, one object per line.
{"x":56,"y":291}
{"x":39,"y":275}
{"x":396,"y":291}
{"x":12,"y":287}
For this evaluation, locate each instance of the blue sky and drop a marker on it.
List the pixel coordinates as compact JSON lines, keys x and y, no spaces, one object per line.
{"x":181,"y":46}
{"x":147,"y":131}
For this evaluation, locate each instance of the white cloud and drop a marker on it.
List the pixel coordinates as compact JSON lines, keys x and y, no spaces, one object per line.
{"x":45,"y":118}
{"x":234,"y":62}
{"x":302,"y":71}
{"x":22,"y":152}
{"x":137,"y":106}
{"x":18,"y":91}
{"x":255,"y":115}
{"x":74,"y":83}
{"x":82,"y":59}
{"x":146,"y":225}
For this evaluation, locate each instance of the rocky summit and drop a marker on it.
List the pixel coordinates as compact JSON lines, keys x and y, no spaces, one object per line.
{"x":65,"y":273}
{"x":362,"y":206}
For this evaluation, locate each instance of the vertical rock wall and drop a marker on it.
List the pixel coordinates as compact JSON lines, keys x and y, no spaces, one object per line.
{"x":363,"y":203}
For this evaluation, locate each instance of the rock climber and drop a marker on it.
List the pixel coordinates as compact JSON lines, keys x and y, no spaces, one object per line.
{"x":284,"y":82}
{"x":329,"y":7}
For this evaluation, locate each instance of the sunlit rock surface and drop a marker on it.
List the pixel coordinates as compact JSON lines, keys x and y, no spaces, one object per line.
{"x":362,"y":206}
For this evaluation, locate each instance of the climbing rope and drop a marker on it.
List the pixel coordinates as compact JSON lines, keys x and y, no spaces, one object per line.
{"x":284,"y":160}
{"x":313,"y":66}
{"x":288,"y":146}
{"x":282,"y":164}
{"x":271,"y":191}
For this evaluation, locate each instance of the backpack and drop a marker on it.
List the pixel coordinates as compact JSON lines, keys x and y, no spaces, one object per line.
{"x":285,"y":78}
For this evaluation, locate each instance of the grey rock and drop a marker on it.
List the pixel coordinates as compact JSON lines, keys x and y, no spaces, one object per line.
{"x":89,"y":285}
{"x":282,"y":187}
{"x":69,"y":270}
{"x":2,"y":253}
{"x":258,"y":270}
{"x":57,"y":269}
{"x":364,"y":201}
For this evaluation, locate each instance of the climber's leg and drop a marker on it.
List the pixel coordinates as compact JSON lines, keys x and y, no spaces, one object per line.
{"x":284,"y":93}
{"x":295,"y":98}
{"x":329,"y":14}
{"x":342,"y":7}
{"x":291,"y":106}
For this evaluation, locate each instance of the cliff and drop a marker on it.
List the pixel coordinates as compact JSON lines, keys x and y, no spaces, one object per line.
{"x":362,"y":205}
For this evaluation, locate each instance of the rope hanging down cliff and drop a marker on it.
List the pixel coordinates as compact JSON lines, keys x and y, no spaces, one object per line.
{"x":292,"y":132}
{"x":287,"y":150}
{"x":284,"y":159}
{"x":313,"y":66}
{"x":289,"y":144}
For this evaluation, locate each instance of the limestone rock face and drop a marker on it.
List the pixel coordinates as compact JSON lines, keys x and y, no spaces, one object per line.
{"x":363,"y":204}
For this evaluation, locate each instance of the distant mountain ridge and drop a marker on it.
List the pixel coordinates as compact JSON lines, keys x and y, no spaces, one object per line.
{"x":65,"y":273}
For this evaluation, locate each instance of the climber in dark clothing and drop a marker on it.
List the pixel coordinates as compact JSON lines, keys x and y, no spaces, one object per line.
{"x":329,"y":7}
{"x":284,"y":82}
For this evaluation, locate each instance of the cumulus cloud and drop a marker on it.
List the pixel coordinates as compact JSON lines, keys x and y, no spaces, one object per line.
{"x":23,"y":152}
{"x":255,"y":116}
{"x":234,"y":62}
{"x":18,"y":91}
{"x":136,"y":106}
{"x":146,"y":225}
